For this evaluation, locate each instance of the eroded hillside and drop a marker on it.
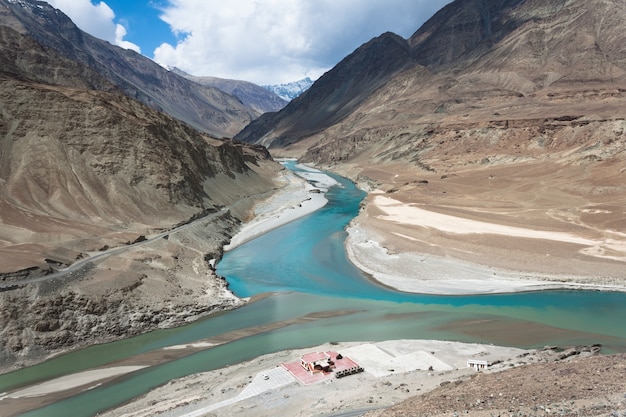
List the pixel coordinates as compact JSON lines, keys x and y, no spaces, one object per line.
{"x":86,"y":171}
{"x":205,"y":108}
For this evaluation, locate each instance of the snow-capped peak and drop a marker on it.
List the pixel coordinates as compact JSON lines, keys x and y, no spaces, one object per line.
{"x":290,"y":90}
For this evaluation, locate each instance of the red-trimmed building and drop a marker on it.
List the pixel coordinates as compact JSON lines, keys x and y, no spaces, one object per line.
{"x":317,"y":362}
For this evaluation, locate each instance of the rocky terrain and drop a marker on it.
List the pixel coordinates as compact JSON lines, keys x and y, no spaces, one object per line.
{"x":85,"y":169}
{"x":205,"y":108}
{"x":512,"y":68}
{"x":254,"y":96}
{"x":78,"y":182}
{"x":569,"y":386}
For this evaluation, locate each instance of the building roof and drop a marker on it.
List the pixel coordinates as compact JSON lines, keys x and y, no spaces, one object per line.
{"x":315,"y":356}
{"x":476,"y":362}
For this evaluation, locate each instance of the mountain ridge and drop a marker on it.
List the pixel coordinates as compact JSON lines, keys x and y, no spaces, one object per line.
{"x":86,"y":168}
{"x":471,"y":27}
{"x":205,"y":108}
{"x":513,"y":56}
{"x":335,"y":94}
{"x":252,"y":95}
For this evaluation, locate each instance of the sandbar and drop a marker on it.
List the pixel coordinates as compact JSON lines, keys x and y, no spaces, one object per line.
{"x":429,"y":268}
{"x":72,"y":381}
{"x":408,"y":267}
{"x":302,"y":193}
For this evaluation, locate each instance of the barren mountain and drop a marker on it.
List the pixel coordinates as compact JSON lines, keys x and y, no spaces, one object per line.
{"x":335,"y":95}
{"x":84,"y":170}
{"x":250,"y":94}
{"x":205,"y":108}
{"x":82,"y":161}
{"x":479,"y":60}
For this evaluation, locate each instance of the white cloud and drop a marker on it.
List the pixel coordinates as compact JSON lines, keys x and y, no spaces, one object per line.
{"x":120,"y":32}
{"x":96,"y":19}
{"x":273,"y":41}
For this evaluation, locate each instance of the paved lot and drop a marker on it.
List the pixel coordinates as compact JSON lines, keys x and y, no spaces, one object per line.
{"x":379,"y":360}
{"x":276,"y":378}
{"x":380,"y":363}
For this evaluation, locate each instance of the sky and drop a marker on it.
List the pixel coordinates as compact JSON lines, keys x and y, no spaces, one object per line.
{"x":262,"y":41}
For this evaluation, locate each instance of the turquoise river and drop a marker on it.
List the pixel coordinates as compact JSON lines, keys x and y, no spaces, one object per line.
{"x":304,"y":269}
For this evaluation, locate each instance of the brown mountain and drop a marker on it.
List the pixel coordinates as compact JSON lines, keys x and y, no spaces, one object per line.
{"x":76,"y":149}
{"x":83,"y":169}
{"x":250,"y":94}
{"x":205,"y":108}
{"x":473,"y":55}
{"x":335,"y":95}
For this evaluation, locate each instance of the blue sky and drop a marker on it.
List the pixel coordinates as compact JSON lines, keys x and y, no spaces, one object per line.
{"x":143,"y":24}
{"x":263,"y":41}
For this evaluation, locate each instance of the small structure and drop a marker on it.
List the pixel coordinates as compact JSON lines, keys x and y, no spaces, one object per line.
{"x":349,"y":371}
{"x":317,"y":362}
{"x":319,"y":366}
{"x":477,"y":364}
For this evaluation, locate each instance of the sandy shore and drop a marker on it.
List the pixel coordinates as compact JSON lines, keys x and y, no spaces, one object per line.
{"x":427,"y":268}
{"x":71,"y":381}
{"x":405,"y":270}
{"x":301,"y":194}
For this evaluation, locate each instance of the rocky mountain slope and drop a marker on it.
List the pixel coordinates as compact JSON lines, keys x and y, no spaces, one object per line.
{"x":475,"y":60}
{"x":205,"y":108}
{"x":250,"y":94}
{"x":335,"y":95}
{"x":84,"y":169}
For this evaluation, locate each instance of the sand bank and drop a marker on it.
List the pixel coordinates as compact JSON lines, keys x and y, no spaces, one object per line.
{"x":301,"y":193}
{"x":424,"y":272}
{"x":395,"y":211}
{"x":430,"y":274}
{"x":69,"y":382}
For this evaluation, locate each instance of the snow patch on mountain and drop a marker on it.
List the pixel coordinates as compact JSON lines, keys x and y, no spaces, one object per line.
{"x":291,"y":90}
